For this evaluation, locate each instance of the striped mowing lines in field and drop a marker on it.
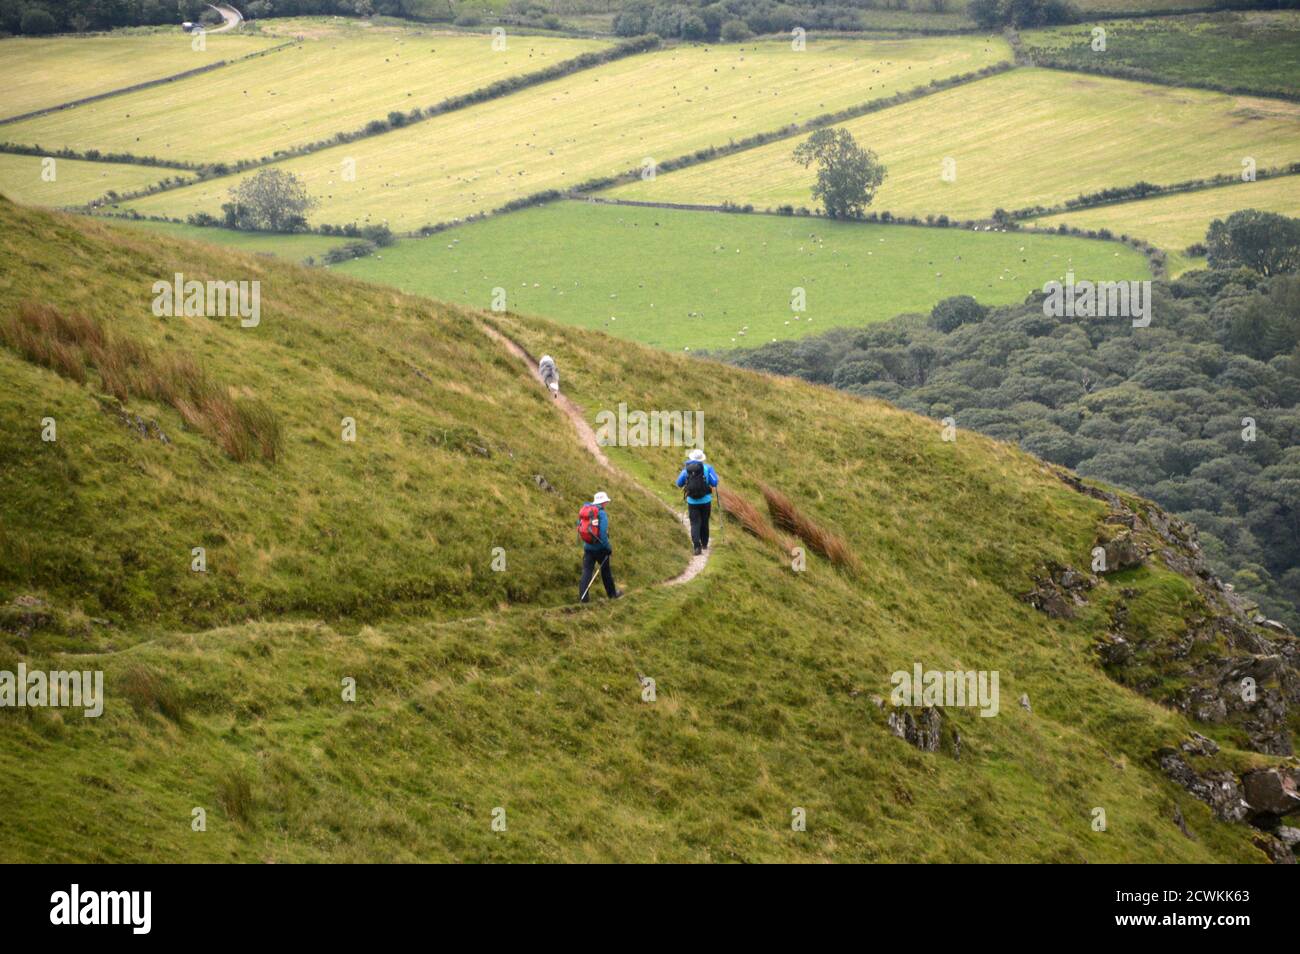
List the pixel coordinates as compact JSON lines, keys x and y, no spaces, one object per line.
{"x":600,"y":122}
{"x":294,"y":96}
{"x":1174,"y":222}
{"x":37,"y":73}
{"x":1025,"y":138}
{"x":35,"y":180}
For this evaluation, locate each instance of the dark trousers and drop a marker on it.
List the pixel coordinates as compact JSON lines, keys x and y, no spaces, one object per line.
{"x":589,"y":560}
{"x":700,"y":523}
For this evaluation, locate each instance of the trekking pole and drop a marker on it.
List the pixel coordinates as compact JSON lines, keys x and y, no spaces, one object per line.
{"x":591,"y":581}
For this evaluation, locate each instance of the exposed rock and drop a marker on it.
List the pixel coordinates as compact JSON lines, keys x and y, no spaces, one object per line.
{"x":1122,"y":553}
{"x":142,"y":426}
{"x":1114,"y":649}
{"x":25,"y":614}
{"x":1024,"y":702}
{"x":1181,"y":822}
{"x":1218,"y":789}
{"x":1059,"y":590}
{"x":1271,"y":792}
{"x":924,"y":733}
{"x":1199,"y":745}
{"x":1277,"y":852}
{"x":543,"y":483}
{"x":1287,"y":835}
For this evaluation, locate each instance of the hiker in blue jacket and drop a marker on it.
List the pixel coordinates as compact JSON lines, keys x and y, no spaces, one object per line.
{"x":697,"y":480}
{"x":593,"y":531}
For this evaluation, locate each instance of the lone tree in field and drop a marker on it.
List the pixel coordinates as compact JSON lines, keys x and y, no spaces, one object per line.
{"x":270,"y":201}
{"x":847,"y":175}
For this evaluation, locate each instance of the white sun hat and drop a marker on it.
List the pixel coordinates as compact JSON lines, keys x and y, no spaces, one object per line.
{"x":600,"y":498}
{"x":695,"y":454}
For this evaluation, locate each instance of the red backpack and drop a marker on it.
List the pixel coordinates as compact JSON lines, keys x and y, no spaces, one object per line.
{"x":589,"y":523}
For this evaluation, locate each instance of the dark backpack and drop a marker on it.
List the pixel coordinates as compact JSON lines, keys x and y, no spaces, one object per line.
{"x":697,"y":482}
{"x":589,"y":523}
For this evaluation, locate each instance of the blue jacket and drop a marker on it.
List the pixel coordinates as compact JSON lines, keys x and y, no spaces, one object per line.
{"x":710,"y":475}
{"x":604,"y":532}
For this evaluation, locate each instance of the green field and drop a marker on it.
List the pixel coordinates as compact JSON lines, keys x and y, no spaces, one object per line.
{"x":296,"y":248}
{"x":477,"y":689}
{"x":677,"y":279}
{"x":1257,"y":50}
{"x":599,"y":122}
{"x":1024,"y":138}
{"x":294,"y":96}
{"x":75,"y":182}
{"x":37,"y":73}
{"x":1174,"y":222}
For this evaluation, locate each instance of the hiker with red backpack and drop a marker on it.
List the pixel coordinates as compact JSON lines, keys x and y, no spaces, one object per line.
{"x":697,"y":481}
{"x":593,"y":531}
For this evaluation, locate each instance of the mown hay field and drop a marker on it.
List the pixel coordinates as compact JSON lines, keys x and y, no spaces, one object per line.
{"x":75,"y":182}
{"x":40,"y":72}
{"x":599,"y":122}
{"x":677,"y":279}
{"x":1024,"y":138}
{"x":1173,"y":222}
{"x":298,"y":95}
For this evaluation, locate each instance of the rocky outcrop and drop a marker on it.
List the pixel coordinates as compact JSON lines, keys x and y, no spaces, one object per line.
{"x":1225,"y":665}
{"x":924,"y":729}
{"x":1060,"y":590}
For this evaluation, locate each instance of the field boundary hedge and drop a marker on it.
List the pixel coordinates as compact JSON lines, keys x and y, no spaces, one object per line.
{"x":146,"y":85}
{"x":1122,"y":195}
{"x":375,"y":127}
{"x":705,"y":154}
{"x":1138,"y":74}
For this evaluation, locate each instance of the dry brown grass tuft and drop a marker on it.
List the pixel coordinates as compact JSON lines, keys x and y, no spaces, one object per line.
{"x":790,"y":518}
{"x":749,"y":516}
{"x":70,"y":343}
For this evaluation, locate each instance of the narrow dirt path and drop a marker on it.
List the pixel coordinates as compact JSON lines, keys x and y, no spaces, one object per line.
{"x":588,"y":438}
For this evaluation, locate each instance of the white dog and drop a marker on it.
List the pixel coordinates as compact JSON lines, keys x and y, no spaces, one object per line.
{"x":550,"y":374}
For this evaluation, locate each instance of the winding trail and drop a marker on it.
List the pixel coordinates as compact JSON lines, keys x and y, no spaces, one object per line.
{"x":229,"y":14}
{"x":588,"y":438}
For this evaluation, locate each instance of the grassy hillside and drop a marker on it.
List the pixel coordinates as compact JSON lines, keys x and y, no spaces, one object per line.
{"x":678,"y":279}
{"x":490,"y":696}
{"x":1016,"y":145}
{"x":1257,"y":50}
{"x":403,"y":520}
{"x":1174,"y":222}
{"x":599,"y":122}
{"x":75,"y":182}
{"x":301,"y":94}
{"x":40,"y":72}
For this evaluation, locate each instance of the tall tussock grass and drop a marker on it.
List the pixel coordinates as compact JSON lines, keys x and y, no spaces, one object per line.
{"x":74,"y":344}
{"x":790,"y":518}
{"x":749,"y":516}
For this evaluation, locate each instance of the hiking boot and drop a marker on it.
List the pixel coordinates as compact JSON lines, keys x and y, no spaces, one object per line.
{"x":698,"y":550}
{"x":618,"y":595}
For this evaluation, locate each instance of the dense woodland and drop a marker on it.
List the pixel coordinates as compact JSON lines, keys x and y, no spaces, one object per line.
{"x":1160,"y":410}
